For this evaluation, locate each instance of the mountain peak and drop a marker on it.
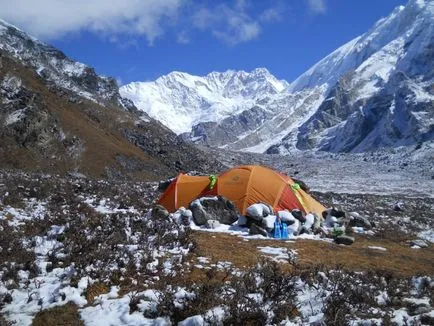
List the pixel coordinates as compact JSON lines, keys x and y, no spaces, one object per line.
{"x":180,"y":100}
{"x":404,"y":23}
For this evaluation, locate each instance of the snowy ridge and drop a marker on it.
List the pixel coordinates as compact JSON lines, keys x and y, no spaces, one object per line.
{"x":362,"y":51}
{"x":55,"y":67}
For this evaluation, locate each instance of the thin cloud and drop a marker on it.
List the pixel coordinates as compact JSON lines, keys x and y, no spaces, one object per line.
{"x":317,"y":6}
{"x":183,"y":38}
{"x":236,"y":24}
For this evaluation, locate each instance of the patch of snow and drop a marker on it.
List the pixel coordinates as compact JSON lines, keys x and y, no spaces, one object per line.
{"x":377,"y":248}
{"x":427,"y":235}
{"x":116,"y":311}
{"x":279,"y":254}
{"x":15,"y":116}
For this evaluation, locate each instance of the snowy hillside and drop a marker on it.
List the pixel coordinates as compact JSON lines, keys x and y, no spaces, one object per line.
{"x":375,"y":91}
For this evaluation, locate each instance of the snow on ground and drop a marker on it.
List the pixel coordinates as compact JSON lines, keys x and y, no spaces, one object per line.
{"x":427,"y":235}
{"x":51,"y":287}
{"x":377,"y":248}
{"x":278,"y":254}
{"x":109,"y":309}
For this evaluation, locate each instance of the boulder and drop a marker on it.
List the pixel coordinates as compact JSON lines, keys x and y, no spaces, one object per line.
{"x":268,"y":222}
{"x":286,"y":217}
{"x":344,"y":239}
{"x":255,"y":229}
{"x":186,"y":216}
{"x":294,"y":228}
{"x":199,"y":215}
{"x":298,"y":214}
{"x":258,"y":211}
{"x":359,"y":221}
{"x":159,"y":212}
{"x":214,"y":208}
{"x":310,"y":220}
{"x":212,"y":224}
{"x":418,"y":242}
{"x":267,"y":209}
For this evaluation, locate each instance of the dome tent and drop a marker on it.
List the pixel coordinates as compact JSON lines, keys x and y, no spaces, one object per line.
{"x":244,"y":186}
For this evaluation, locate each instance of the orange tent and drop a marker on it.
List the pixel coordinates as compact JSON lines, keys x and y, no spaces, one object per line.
{"x":244,"y":186}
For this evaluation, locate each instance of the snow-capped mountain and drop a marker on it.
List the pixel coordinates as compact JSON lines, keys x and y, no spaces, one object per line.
{"x":375,"y":91}
{"x":180,"y":101}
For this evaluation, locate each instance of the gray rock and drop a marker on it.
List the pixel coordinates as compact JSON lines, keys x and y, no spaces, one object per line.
{"x":344,"y":239}
{"x":212,"y":224}
{"x":255,"y":229}
{"x":256,"y":212}
{"x":159,"y":212}
{"x":360,"y":221}
{"x":186,"y":216}
{"x":398,"y":206}
{"x":298,"y":214}
{"x":199,"y":215}
{"x":220,"y":209}
{"x":419,"y":243}
{"x":268,"y":222}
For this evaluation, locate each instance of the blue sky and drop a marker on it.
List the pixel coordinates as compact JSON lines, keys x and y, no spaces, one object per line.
{"x":138,"y":40}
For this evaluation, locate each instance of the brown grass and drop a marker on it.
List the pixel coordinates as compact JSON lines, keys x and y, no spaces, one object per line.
{"x":102,"y":136}
{"x":399,"y":258}
{"x":95,"y":290}
{"x":66,"y":315}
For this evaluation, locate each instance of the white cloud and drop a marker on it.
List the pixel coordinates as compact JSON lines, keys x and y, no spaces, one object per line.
{"x":231,"y":23}
{"x":317,"y":6}
{"x":275,"y":13}
{"x":51,"y":19}
{"x":183,"y":38}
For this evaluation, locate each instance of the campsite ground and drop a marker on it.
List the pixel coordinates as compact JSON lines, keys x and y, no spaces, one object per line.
{"x":73,"y":239}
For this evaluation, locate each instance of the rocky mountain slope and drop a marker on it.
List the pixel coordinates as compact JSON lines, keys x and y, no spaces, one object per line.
{"x":375,"y":91}
{"x":59,"y":116}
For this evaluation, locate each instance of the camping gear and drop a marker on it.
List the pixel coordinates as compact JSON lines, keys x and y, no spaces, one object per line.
{"x":338,"y":230}
{"x":244,"y":186}
{"x":277,"y":232}
{"x":283,"y":231}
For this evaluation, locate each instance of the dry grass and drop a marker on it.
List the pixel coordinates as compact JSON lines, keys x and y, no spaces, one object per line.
{"x":95,"y":290}
{"x":399,"y":258}
{"x":98,"y":126}
{"x":66,"y":315}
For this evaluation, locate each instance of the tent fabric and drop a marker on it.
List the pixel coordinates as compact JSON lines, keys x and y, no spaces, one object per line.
{"x":244,"y":186}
